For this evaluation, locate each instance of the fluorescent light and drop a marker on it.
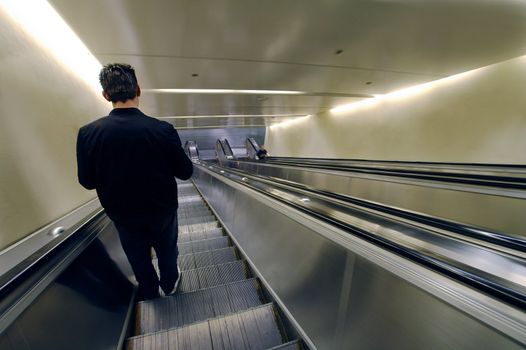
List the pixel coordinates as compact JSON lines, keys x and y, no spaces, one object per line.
{"x":220,"y":126}
{"x":223,"y":91}
{"x":235,"y":116}
{"x":40,"y":20}
{"x":403,"y":93}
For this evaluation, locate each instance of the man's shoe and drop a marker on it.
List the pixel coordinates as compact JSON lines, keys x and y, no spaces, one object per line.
{"x":176,"y":282}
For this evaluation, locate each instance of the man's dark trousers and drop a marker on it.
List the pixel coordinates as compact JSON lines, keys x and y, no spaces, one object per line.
{"x":137,"y":236}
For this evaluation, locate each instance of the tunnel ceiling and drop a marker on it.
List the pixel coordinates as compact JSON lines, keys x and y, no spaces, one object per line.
{"x":332,"y":50}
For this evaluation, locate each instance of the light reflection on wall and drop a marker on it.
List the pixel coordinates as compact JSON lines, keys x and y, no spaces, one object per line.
{"x":41,"y":22}
{"x":411,"y":92}
{"x":289,"y":123}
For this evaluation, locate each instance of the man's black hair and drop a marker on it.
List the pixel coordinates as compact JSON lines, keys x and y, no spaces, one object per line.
{"x":118,"y":80}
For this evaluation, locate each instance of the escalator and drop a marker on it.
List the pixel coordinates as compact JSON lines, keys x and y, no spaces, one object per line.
{"x":219,"y":304}
{"x":268,"y":265}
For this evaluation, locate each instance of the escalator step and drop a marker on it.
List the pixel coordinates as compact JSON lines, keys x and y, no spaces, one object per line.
{"x":198,"y":219}
{"x":204,"y":245}
{"x":292,"y":345}
{"x":212,"y":276}
{"x":204,"y":226}
{"x":187,"y":191}
{"x":255,"y":328}
{"x":190,"y":213}
{"x":189,"y":209}
{"x":186,"y":308}
{"x":190,"y":200}
{"x":202,"y":259}
{"x":200,"y":235}
{"x":208,"y":258}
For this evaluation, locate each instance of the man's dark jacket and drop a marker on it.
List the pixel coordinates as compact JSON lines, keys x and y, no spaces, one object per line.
{"x":131,"y":160}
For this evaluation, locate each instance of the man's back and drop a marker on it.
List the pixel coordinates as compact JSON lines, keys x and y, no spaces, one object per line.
{"x":131,"y":160}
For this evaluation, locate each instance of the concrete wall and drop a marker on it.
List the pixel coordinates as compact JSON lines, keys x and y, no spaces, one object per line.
{"x":42,"y":106}
{"x":478,"y":116}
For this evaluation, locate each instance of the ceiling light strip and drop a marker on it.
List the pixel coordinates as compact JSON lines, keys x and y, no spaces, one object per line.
{"x":220,"y":126}
{"x":255,"y":92}
{"x":235,"y":116}
{"x":223,"y":91}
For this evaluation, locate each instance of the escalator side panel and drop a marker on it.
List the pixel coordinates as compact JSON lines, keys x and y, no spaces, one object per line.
{"x":343,"y":296}
{"x":90,"y":297}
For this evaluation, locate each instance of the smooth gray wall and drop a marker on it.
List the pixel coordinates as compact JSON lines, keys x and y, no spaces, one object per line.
{"x":42,"y":105}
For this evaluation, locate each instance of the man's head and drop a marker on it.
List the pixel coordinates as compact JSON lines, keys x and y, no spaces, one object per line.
{"x":119,"y":82}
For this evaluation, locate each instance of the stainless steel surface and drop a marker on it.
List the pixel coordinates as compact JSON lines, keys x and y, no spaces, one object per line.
{"x":504,"y":269}
{"x":26,"y":247}
{"x":485,"y":208}
{"x":57,"y":231}
{"x":343,"y":291}
{"x":84,"y":305}
{"x":288,"y":45}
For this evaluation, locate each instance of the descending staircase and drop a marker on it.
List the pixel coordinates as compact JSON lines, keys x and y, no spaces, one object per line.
{"x":219,"y":304}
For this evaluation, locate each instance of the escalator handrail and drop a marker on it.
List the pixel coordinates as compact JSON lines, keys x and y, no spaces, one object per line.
{"x":499,"y":291}
{"x":250,"y":141}
{"x":22,"y":284}
{"x":505,"y":182}
{"x":401,"y":162}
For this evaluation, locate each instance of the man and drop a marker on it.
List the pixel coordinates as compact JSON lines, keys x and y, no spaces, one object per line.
{"x":131,"y":160}
{"x":262,"y":153}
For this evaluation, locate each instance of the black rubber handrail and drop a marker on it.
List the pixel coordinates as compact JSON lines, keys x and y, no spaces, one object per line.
{"x":506,"y":182}
{"x":251,"y":142}
{"x":222,"y":147}
{"x":402,"y":162}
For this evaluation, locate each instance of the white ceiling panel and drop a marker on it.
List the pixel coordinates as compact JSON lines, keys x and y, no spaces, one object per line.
{"x":164,"y":105}
{"x":292,"y":45}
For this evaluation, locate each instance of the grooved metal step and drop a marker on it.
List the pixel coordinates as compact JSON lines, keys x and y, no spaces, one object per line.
{"x":196,"y":219}
{"x":208,"y":258}
{"x":189,"y":212}
{"x":186,"y":308}
{"x":187,"y":191}
{"x":205,"y":226}
{"x":190,"y":200}
{"x":198,"y":260}
{"x":212,"y":276}
{"x":200,"y":235}
{"x":199,"y":246}
{"x":204,"y":245}
{"x":191,"y":208}
{"x":251,"y":329}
